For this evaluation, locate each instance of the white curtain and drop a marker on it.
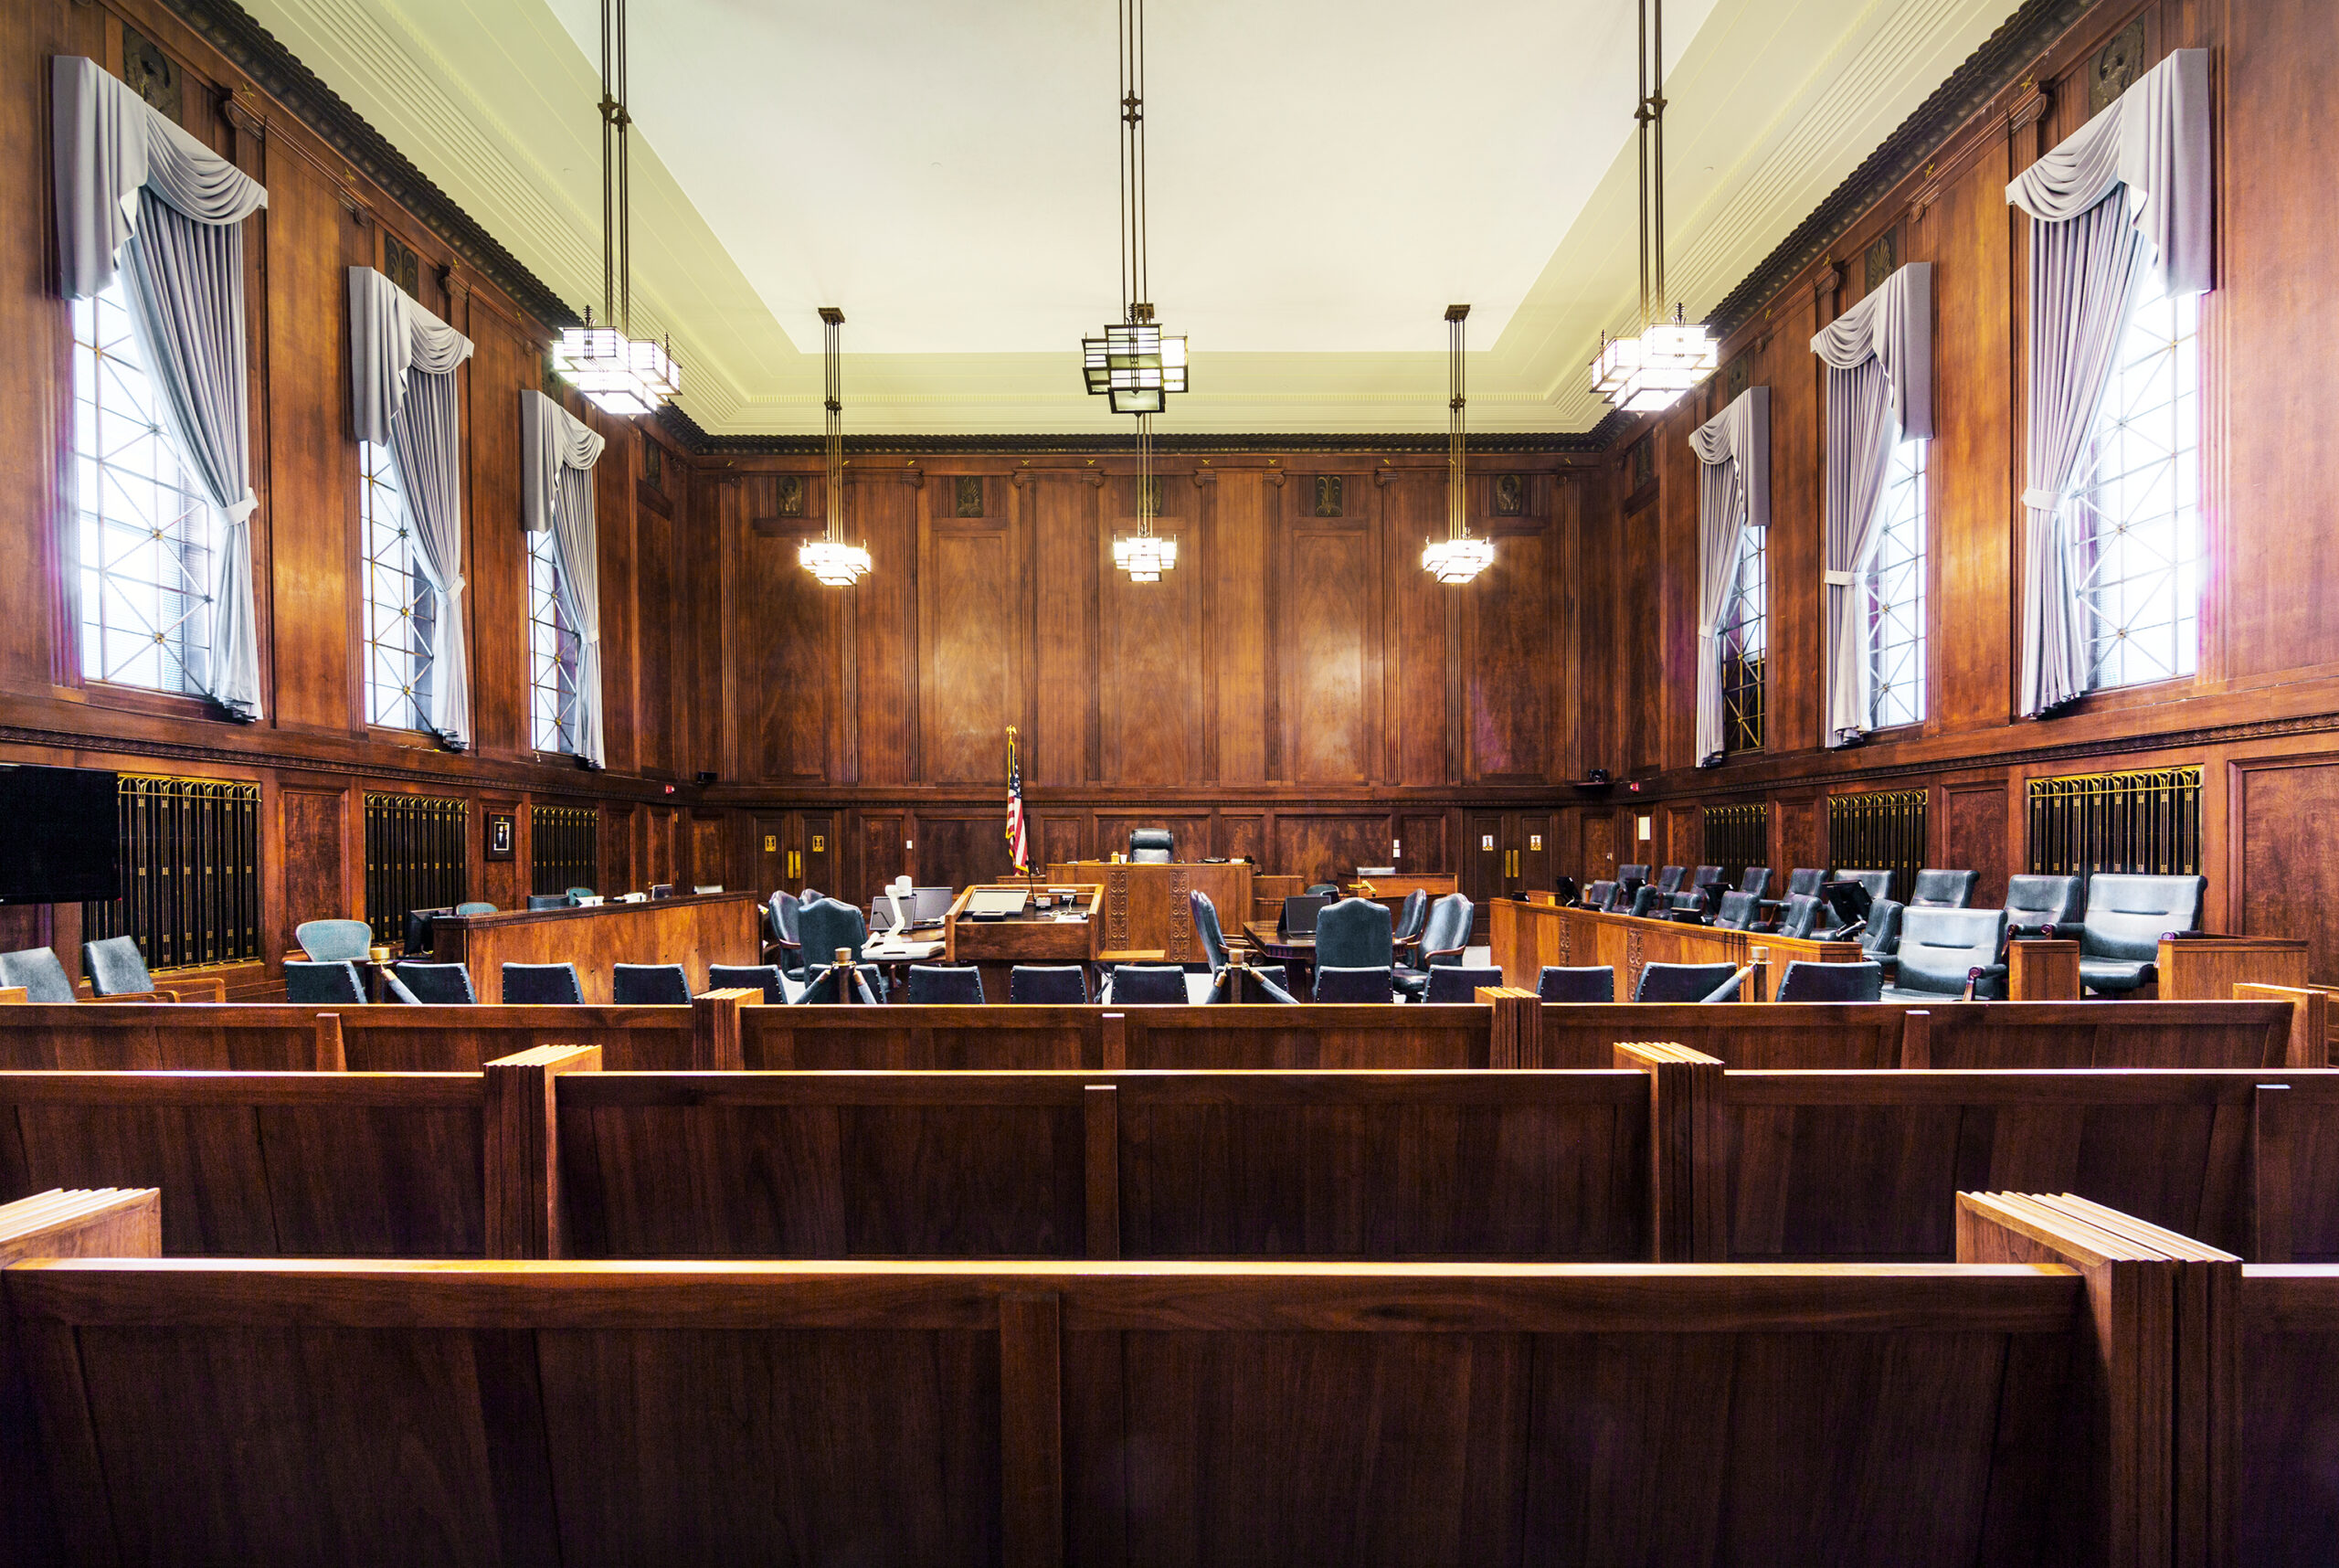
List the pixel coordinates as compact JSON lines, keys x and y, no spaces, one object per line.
{"x":2121,"y":212}
{"x":1733,"y":451}
{"x":139,"y":196}
{"x":557,"y":452}
{"x":1878,"y":357}
{"x":402,"y":363}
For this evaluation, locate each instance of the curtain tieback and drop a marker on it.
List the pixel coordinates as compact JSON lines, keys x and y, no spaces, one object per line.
{"x":1709,"y":631}
{"x":2045,"y":499}
{"x":456,"y":585}
{"x":241,"y":511}
{"x":1842,"y":579}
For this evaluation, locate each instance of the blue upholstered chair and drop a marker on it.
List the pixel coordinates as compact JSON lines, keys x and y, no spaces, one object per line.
{"x":1632,"y":875}
{"x":1681,"y":982}
{"x":1668,"y":880}
{"x":439,"y":985}
{"x":331,"y":982}
{"x":2126,"y":915}
{"x":1413,"y":915}
{"x":550,"y":901}
{"x":475,"y":908}
{"x":577,"y":893}
{"x":1151,"y":846}
{"x":1800,"y":914}
{"x":1882,"y":939}
{"x":2035,"y":903}
{"x":39,"y":972}
{"x":1355,"y":985}
{"x":1047,"y":985}
{"x":542,"y":985}
{"x":1453,"y":982}
{"x":1937,"y":889}
{"x":955,"y":985}
{"x":1207,"y":930}
{"x":1355,"y":934}
{"x":1445,"y":937}
{"x":1755,"y":880}
{"x":1146,"y":985}
{"x":787,"y":946}
{"x":1647,"y":901}
{"x":1946,"y":954}
{"x":1804,"y":880}
{"x":768,"y":979}
{"x":649,"y":985}
{"x":825,"y":925}
{"x":1877,"y":883}
{"x":114,"y":967}
{"x":1738,"y":911}
{"x":327,"y":940}
{"x":1592,"y":982}
{"x":1831,"y":982}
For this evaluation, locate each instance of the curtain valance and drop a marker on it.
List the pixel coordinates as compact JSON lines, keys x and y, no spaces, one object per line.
{"x":557,"y":452}
{"x":389,"y":334}
{"x":109,"y":145}
{"x":1893,"y":326}
{"x":551,"y":439}
{"x":1733,"y":451}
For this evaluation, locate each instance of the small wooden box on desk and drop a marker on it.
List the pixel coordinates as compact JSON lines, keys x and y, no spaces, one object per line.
{"x":1145,"y":905}
{"x":695,"y":932}
{"x":1033,"y":937}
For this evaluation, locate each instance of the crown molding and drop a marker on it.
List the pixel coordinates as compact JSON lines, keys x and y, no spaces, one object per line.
{"x":276,"y":71}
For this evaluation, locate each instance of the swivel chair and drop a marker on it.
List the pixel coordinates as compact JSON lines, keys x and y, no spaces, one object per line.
{"x":1150,"y":846}
{"x":1445,"y":937}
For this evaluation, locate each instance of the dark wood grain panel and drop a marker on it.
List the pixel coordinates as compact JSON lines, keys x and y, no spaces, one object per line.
{"x":1065,"y":645}
{"x":1149,"y":697}
{"x":1973,"y":836}
{"x":884,"y":509}
{"x":2286,"y":817}
{"x":1420,"y":661}
{"x":971,"y":687}
{"x":315,"y":855}
{"x":1508,"y":648}
{"x":1330,"y":678}
{"x":1236,"y":671}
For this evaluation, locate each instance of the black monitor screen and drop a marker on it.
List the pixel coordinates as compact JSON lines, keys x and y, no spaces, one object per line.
{"x":63,"y":835}
{"x":1299,"y":914}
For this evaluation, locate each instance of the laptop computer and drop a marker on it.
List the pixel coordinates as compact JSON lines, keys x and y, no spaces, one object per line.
{"x":1299,"y":918}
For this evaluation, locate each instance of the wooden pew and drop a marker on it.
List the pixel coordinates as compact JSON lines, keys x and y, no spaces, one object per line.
{"x":1515,"y":1166}
{"x":1311,"y":1037}
{"x":1042,"y":1412}
{"x":1860,"y":1166}
{"x":921,"y":1039}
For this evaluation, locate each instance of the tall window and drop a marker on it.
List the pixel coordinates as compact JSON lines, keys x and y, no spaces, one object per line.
{"x":142,"y":524}
{"x":553,"y":650}
{"x":2139,"y":519}
{"x":1743,"y":644}
{"x":400,"y":603}
{"x":1896,"y":595}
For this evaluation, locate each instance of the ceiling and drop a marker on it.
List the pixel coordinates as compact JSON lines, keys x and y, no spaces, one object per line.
{"x":1326,"y":176}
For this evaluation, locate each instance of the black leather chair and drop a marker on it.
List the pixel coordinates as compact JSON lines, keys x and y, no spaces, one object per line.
{"x":1882,"y":939}
{"x":649,"y":985}
{"x":39,"y":972}
{"x":1355,"y":934}
{"x":439,"y":985}
{"x":787,"y":946}
{"x":1047,"y":985}
{"x":1646,"y":902}
{"x":1950,"y":953}
{"x":1335,"y":984}
{"x":475,"y":907}
{"x":1668,"y":880}
{"x":1597,"y":894}
{"x":825,"y":925}
{"x":951,"y":985}
{"x":1593,"y":982}
{"x":1207,"y":930}
{"x":1937,"y":889}
{"x":1705,"y":876}
{"x":1877,"y":883}
{"x":1146,"y":985}
{"x":334,"y":983}
{"x":2126,"y":915}
{"x":2035,"y":903}
{"x":1682,"y":982}
{"x":1738,"y":911}
{"x":549,"y":901}
{"x":765,"y":977}
{"x":1805,"y":879}
{"x":1445,"y":937}
{"x":1756,"y":880}
{"x":1799,"y":915}
{"x":542,"y":985}
{"x":1323,"y":890}
{"x":1630,"y":875}
{"x":1411,"y":916}
{"x":1564,"y":889}
{"x":1453,"y":982}
{"x":114,"y":967}
{"x":1151,"y":846}
{"x":1831,"y":982}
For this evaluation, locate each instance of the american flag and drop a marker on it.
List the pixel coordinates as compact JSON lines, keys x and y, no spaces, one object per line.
{"x":1019,"y":847}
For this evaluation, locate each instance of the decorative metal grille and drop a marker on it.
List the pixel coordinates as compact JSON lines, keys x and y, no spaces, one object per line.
{"x":142,"y":525}
{"x":1737,"y":837}
{"x":564,"y":848}
{"x":1881,"y":829}
{"x":1895,"y":586}
{"x":553,"y":650}
{"x":2138,"y":508}
{"x":1744,"y":640}
{"x":400,"y":606}
{"x":190,"y":872}
{"x":417,"y":857}
{"x":2148,"y":823}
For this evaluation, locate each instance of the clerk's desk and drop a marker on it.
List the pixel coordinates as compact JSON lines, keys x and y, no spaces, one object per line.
{"x":1030,"y":936}
{"x":1145,"y":906}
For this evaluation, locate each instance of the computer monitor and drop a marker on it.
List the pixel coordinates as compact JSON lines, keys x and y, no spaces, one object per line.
{"x":1299,"y":914}
{"x":930,"y":903}
{"x":1848,"y":904}
{"x":418,"y":929}
{"x":996,"y":903}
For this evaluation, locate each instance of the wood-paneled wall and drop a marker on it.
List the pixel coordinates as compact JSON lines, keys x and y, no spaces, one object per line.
{"x":2261,"y":717}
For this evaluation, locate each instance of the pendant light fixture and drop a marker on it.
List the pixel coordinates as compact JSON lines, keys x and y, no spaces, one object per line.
{"x":1145,"y":554}
{"x":1134,"y":364}
{"x":1649,"y":372}
{"x":829,"y":557}
{"x":618,"y":373}
{"x":1458,"y":557}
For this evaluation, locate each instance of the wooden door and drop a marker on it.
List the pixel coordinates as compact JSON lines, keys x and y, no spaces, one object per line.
{"x":1484,"y":862}
{"x":816,"y":851}
{"x":774,"y":857}
{"x":1599,"y":847}
{"x":1534,"y":854}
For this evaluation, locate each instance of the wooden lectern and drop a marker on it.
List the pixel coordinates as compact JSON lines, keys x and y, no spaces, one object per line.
{"x":1145,"y":906}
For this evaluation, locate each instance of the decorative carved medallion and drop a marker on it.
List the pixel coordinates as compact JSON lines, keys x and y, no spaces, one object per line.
{"x":970,"y":496}
{"x":1882,"y":258}
{"x":1510,"y":495}
{"x":653,"y":465}
{"x":151,"y":73}
{"x":1737,"y":377}
{"x":2114,"y":69}
{"x":1330,"y":495}
{"x":1641,"y":462}
{"x":1149,"y":494}
{"x":788,"y":496}
{"x":401,"y":266}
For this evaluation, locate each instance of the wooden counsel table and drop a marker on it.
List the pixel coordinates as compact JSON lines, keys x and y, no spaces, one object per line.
{"x":1526,"y":936}
{"x":702,"y":929}
{"x":1145,"y":906}
{"x":1033,"y":937}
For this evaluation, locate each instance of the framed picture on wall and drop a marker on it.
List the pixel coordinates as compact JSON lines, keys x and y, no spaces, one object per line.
{"x":500,"y":834}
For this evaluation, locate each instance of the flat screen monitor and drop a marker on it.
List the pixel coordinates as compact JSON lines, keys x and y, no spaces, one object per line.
{"x":930,"y":903}
{"x":1299,"y":914}
{"x":996,"y":903}
{"x":417,"y":930}
{"x":1848,"y":904}
{"x":64,"y":835}
{"x":880,"y":914}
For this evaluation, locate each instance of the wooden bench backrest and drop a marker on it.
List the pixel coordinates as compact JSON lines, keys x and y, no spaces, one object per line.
{"x":1306,"y":1037}
{"x":920,"y":1039}
{"x":1743,"y":1034}
{"x":1030,"y":1415}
